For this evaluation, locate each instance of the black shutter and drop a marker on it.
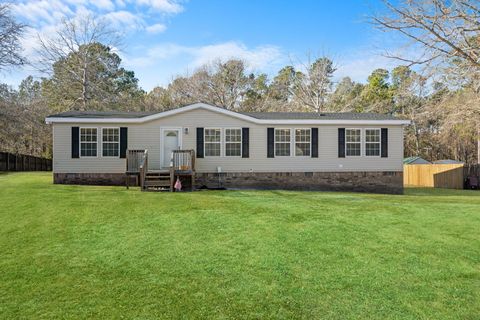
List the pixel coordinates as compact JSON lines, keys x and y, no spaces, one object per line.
{"x":245,"y":142}
{"x":314,"y":142}
{"x":199,"y":142}
{"x":341,"y":142}
{"x":75,"y":142}
{"x":123,"y":142}
{"x":270,"y":142}
{"x":384,"y":142}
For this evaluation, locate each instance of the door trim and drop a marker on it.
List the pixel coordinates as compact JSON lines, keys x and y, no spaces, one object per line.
{"x":162,"y":134}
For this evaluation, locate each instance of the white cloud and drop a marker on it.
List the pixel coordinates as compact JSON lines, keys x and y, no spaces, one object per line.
{"x":124,"y":20}
{"x":358,"y":65}
{"x":44,"y":11}
{"x":104,"y":4}
{"x":120,"y":3}
{"x":39,"y":13}
{"x":45,"y":16}
{"x":156,"y":28}
{"x":256,"y":58}
{"x":160,"y":63}
{"x":167,"y":6}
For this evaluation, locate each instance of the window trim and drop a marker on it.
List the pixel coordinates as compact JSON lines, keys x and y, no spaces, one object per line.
{"x":224,"y":142}
{"x":360,"y":142}
{"x":101,"y":129}
{"x":379,"y":142}
{"x":80,"y":142}
{"x":295,"y":142}
{"x":275,"y":142}
{"x":205,"y":142}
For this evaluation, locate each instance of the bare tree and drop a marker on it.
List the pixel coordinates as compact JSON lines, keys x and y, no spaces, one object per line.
{"x":312,"y":87}
{"x":443,"y":31}
{"x":76,"y":41}
{"x":10,"y":34}
{"x":446,"y":33}
{"x":226,"y":82}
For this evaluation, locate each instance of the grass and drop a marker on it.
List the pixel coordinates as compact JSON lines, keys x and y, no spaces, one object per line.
{"x":81,"y":252}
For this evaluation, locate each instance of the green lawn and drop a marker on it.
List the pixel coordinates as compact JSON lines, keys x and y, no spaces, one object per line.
{"x":105,"y":252}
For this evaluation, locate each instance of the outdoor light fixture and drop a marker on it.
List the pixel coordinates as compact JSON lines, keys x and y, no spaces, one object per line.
{"x":185,"y":130}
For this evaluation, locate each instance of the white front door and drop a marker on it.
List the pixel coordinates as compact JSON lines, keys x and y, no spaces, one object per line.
{"x":171,"y":141}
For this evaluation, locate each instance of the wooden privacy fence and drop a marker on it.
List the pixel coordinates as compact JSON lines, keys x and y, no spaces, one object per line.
{"x":433,"y":175}
{"x":22,"y":162}
{"x":472,"y":170}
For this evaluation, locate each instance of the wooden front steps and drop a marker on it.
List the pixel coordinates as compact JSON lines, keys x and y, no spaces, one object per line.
{"x":182,"y":167}
{"x":157,"y":181}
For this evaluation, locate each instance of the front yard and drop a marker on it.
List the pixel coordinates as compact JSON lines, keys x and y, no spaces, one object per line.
{"x":105,"y":252}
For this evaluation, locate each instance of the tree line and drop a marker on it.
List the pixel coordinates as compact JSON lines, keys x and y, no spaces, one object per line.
{"x":438,"y":91}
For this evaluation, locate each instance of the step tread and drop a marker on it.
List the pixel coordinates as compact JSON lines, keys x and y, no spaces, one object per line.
{"x":157,"y":178}
{"x":157,"y":183}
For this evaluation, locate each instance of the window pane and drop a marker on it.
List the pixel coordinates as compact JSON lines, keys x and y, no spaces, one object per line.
{"x":282,"y":135}
{"x":212,"y":149}
{"x":88,"y":149}
{"x":282,"y":142}
{"x":212,"y":135}
{"x":302,"y":135}
{"x":302,"y":149}
{"x":372,"y":135}
{"x":233,"y":149}
{"x":110,"y":149}
{"x":352,"y":135}
{"x":88,"y":135}
{"x":233,"y":135}
{"x":282,"y":149}
{"x":111,"y":135}
{"x":212,"y":142}
{"x":111,"y":144}
{"x":302,"y":142}
{"x":88,"y":142}
{"x":353,"y":149}
{"x":372,"y":149}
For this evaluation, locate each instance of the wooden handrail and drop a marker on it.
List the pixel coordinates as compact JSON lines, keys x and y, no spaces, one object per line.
{"x":143,"y":169}
{"x":182,"y":160}
{"x":134,"y":157}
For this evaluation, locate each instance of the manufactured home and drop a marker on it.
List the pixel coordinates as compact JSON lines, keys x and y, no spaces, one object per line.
{"x":205,"y":146}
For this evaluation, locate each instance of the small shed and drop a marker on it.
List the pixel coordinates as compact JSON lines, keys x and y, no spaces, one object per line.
{"x":415,"y":160}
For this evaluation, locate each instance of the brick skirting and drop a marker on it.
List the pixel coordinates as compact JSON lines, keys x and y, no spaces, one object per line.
{"x":377,"y":182}
{"x":103,"y":179}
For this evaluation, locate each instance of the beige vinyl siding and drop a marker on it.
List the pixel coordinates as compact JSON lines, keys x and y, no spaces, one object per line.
{"x":147,"y":136}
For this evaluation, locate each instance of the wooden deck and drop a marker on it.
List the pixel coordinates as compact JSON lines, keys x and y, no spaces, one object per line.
{"x":182,"y":167}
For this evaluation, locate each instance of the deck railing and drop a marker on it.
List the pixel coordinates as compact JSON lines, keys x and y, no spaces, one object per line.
{"x":183,"y":160}
{"x":143,"y":169}
{"x":134,"y":158}
{"x":182,"y":163}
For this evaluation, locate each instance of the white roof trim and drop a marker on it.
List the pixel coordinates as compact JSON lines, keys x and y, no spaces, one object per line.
{"x":233,"y":114}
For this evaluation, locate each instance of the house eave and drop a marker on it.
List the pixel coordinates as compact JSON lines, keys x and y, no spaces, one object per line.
{"x":257,"y":121}
{"x":50,"y":120}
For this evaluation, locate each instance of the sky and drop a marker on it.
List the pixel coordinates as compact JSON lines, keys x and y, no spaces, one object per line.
{"x":165,"y":38}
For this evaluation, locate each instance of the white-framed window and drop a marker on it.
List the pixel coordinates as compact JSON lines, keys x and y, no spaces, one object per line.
{"x":212,"y":142}
{"x":233,"y":142}
{"x":372,"y":142}
{"x":302,"y":142}
{"x":353,"y":142}
{"x":110,"y":142}
{"x":88,"y":142}
{"x":282,"y":142}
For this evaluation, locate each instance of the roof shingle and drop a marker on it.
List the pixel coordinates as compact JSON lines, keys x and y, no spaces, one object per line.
{"x":256,"y":115}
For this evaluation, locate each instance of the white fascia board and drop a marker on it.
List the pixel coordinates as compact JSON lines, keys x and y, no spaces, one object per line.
{"x":223,"y":111}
